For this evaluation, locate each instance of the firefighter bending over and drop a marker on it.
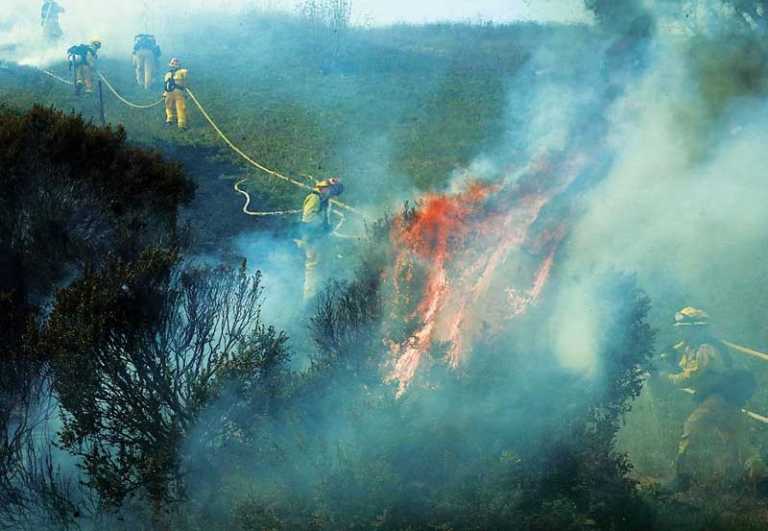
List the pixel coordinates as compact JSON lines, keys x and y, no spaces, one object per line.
{"x":316,"y":228}
{"x":82,"y":59}
{"x":49,"y":20}
{"x":145,"y":55}
{"x":714,"y":449}
{"x":174,"y":85}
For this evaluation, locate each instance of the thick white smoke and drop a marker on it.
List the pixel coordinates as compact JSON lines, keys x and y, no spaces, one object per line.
{"x":689,"y":221}
{"x":115,"y":23}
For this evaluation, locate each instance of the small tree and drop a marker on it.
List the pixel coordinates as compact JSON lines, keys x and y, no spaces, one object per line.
{"x":625,"y":17}
{"x":138,"y":352}
{"x":329,"y":20}
{"x":74,"y":197}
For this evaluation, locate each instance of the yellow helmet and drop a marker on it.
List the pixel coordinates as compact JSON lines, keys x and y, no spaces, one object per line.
{"x":174,"y":63}
{"x":332,"y":186}
{"x":690,"y":316}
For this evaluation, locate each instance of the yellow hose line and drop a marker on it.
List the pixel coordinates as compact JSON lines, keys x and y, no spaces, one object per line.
{"x":259,"y":214}
{"x":753,"y":415}
{"x":57,"y":78}
{"x":130,"y":104}
{"x":747,"y":351}
{"x":256,"y":164}
{"x":237,"y":150}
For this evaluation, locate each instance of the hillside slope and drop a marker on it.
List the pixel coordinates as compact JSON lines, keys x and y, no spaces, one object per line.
{"x":393,"y":111}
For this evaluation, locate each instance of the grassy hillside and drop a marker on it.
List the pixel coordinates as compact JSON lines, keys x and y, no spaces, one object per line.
{"x":391,"y":110}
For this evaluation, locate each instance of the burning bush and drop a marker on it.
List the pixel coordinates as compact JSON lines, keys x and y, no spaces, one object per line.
{"x":504,"y":436}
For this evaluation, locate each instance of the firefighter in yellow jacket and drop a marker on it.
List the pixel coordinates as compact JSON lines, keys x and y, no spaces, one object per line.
{"x":174,"y":85}
{"x":82,"y":59}
{"x":714,"y":448}
{"x":316,"y":227}
{"x":145,"y":54}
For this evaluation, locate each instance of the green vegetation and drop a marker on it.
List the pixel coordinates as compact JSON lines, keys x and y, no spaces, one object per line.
{"x":76,"y":199}
{"x":179,"y":405}
{"x":178,"y":402}
{"x":394,"y":109}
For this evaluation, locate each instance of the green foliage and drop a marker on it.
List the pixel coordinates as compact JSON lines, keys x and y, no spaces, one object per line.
{"x":173,"y":388}
{"x":725,"y":70}
{"x":509,"y":438}
{"x":629,"y":18}
{"x":451,"y":128}
{"x":138,"y":352}
{"x":394,"y":106}
{"x":42,"y":138}
{"x":728,"y":69}
{"x":73,"y":194}
{"x":75,"y":197}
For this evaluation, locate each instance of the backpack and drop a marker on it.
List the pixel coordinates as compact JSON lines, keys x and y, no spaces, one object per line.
{"x":146,"y":42}
{"x":324,"y":227}
{"x":734,"y":384}
{"x":169,"y":85}
{"x":78,"y":54}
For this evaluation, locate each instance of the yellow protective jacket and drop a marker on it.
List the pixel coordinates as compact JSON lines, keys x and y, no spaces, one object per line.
{"x":315,"y":211}
{"x":179,"y":78}
{"x":695,"y":361}
{"x":316,"y":216}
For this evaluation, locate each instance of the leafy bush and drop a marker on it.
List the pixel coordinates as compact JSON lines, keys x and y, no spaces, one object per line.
{"x":75,"y":198}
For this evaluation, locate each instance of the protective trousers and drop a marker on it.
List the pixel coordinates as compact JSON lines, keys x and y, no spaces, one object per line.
{"x":144,"y":63}
{"x":311,"y":274}
{"x":176,"y":108}
{"x":714,"y":448}
{"x":84,"y":76}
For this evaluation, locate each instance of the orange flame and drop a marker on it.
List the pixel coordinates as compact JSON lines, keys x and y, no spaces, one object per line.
{"x":465,"y":242}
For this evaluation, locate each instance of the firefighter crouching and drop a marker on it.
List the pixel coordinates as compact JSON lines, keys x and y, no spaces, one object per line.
{"x":145,"y":55}
{"x":714,"y":449}
{"x":316,"y":228}
{"x":82,"y":60}
{"x":174,"y":85}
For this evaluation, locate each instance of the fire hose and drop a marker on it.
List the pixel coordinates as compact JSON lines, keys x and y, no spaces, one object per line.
{"x":747,"y":351}
{"x":57,"y":78}
{"x":255,"y":164}
{"x":335,"y":202}
{"x":125,"y":101}
{"x":750,"y":414}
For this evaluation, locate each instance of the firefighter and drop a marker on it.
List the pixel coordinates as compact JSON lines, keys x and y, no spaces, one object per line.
{"x":316,"y":227}
{"x":174,"y":85}
{"x":145,"y":55}
{"x":714,"y":448}
{"x":82,"y":59}
{"x":49,"y":20}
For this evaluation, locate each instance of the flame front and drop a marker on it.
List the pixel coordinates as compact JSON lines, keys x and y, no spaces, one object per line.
{"x":464,"y":242}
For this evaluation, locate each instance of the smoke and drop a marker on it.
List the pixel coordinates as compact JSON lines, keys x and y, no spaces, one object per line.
{"x":575,"y":328}
{"x":84,"y":21}
{"x":687,"y":219}
{"x":21,"y":36}
{"x":680,"y":206}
